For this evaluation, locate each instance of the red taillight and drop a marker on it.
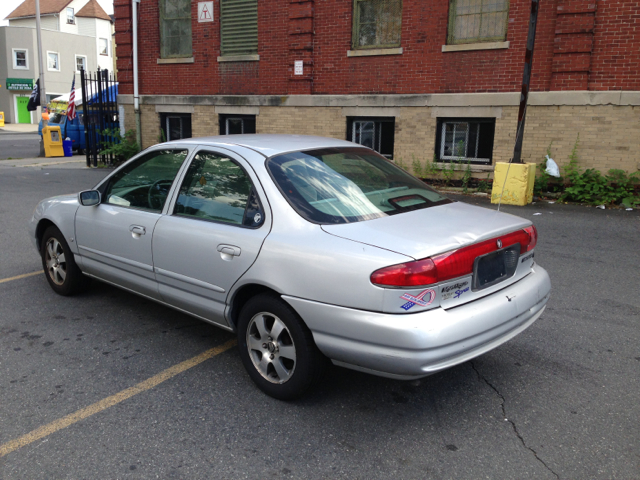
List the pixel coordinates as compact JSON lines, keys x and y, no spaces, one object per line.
{"x":533,"y":239}
{"x":411,"y":274}
{"x":453,"y":264}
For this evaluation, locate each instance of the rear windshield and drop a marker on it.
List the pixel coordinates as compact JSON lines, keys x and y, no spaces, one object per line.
{"x":345,"y":185}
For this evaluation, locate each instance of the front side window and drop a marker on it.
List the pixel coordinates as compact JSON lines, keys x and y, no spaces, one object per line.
{"x":345,"y":185}
{"x":374,"y":133}
{"x":237,"y":124}
{"x":175,"y":126}
{"x":217,"y":189}
{"x":103,"y":46}
{"x":175,"y":28}
{"x":20,"y":59}
{"x":476,"y":21}
{"x":465,"y":140}
{"x":145,"y":183}
{"x":53,"y":61}
{"x":71,"y":19}
{"x":377,"y":23}
{"x":238,"y":27}
{"x":81,"y":63}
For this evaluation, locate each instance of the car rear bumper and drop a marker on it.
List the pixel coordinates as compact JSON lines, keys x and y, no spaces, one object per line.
{"x":412,"y":346}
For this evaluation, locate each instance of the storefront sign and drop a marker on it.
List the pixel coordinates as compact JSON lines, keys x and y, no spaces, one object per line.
{"x":25,"y":84}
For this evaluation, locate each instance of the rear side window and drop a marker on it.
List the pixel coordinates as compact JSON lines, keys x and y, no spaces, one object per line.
{"x":216,"y":188}
{"x":345,"y":185}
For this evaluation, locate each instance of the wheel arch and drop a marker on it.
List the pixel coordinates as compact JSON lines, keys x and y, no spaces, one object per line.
{"x":43,"y":224}
{"x":242,"y":296}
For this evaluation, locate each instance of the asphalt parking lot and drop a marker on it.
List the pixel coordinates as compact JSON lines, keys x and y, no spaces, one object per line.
{"x":109,"y":385}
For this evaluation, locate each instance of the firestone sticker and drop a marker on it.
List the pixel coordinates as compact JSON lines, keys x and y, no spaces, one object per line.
{"x":419,"y":299}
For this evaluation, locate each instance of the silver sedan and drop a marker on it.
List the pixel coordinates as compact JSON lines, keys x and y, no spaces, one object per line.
{"x":308,"y":248}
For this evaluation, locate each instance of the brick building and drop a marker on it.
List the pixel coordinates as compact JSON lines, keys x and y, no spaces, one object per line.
{"x":414,"y":79}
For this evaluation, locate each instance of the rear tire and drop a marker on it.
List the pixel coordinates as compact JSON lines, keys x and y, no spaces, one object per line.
{"x":277,"y":348}
{"x":60,"y":268}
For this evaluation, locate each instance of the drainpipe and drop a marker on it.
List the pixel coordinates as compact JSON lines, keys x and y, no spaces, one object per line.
{"x":136,"y":95}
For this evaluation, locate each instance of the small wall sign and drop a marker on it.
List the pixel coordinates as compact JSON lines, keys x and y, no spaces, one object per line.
{"x":298,"y":68}
{"x":205,"y":12}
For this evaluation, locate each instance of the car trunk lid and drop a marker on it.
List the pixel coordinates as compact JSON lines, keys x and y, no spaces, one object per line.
{"x":430,"y":231}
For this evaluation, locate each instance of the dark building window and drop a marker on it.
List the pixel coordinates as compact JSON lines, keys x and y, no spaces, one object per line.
{"x":237,"y":124}
{"x":476,"y":21}
{"x":376,"y":133}
{"x":238,"y":27}
{"x":465,"y":139}
{"x":175,"y":28}
{"x":376,"y":23}
{"x":175,"y":126}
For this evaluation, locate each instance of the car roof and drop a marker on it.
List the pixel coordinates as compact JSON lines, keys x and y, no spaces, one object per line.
{"x":269,"y":144}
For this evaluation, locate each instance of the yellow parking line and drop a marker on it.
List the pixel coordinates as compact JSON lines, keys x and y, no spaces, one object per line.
{"x":97,"y":407}
{"x":18,"y":277}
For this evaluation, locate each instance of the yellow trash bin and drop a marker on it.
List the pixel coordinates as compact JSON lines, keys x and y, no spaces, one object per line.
{"x":1,"y":119}
{"x":52,"y":138}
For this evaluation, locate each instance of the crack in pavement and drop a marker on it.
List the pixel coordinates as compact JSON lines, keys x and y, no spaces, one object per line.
{"x":513,"y":425}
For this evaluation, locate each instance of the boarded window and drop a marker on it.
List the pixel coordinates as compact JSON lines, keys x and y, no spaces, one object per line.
{"x":377,"y":23}
{"x":465,"y":139}
{"x":475,"y":21}
{"x":239,"y":27}
{"x":175,"y":28}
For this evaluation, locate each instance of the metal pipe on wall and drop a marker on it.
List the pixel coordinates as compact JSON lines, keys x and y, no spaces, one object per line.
{"x":136,"y":95}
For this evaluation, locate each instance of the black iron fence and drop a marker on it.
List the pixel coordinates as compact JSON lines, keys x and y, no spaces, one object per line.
{"x":100,"y":120}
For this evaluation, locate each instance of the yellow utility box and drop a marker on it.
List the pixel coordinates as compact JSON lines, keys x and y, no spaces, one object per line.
{"x":1,"y":119}
{"x":516,"y":188}
{"x":52,"y":138}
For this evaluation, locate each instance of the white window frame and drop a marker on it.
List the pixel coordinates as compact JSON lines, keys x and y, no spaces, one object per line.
{"x":48,"y":67}
{"x":71,"y":20}
{"x":15,"y":59}
{"x":466,"y":142}
{"x":85,"y":62}
{"x":100,"y":49}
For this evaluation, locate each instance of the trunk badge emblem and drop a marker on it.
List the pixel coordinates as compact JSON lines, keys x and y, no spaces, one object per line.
{"x":499,"y":242}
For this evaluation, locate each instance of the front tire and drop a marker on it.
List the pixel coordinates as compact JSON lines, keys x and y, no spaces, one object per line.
{"x":59,"y":265}
{"x":277,"y":348}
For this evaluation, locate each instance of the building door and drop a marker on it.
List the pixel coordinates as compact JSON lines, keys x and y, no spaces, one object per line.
{"x":24,"y":115}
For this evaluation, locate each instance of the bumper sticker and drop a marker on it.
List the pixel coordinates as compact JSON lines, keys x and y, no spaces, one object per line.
{"x":419,"y":300}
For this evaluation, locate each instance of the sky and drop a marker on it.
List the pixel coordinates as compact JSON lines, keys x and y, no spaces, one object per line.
{"x":8,"y":6}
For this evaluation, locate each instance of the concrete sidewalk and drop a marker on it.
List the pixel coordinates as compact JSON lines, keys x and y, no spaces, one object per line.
{"x":77,"y":161}
{"x":19,"y":128}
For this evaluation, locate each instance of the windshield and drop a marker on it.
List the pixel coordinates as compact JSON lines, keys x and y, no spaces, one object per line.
{"x":345,"y":185}
{"x":58,"y":118}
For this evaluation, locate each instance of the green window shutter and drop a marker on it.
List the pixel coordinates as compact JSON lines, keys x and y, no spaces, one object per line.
{"x":239,"y":27}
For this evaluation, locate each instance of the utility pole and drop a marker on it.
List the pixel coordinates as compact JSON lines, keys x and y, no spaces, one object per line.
{"x":526,"y":80}
{"x":43,"y":94}
{"x":42,"y":91}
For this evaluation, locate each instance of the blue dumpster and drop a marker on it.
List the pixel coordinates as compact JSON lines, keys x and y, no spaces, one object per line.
{"x":67,"y":146}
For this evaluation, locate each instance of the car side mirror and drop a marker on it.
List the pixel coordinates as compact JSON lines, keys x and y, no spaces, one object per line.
{"x":89,"y":198}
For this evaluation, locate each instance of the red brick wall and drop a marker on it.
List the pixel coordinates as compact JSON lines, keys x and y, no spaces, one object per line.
{"x":615,"y":61}
{"x":577,"y":47}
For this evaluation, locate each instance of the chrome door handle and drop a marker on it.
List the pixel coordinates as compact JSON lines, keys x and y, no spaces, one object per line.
{"x":137,"y":229}
{"x":229,"y":250}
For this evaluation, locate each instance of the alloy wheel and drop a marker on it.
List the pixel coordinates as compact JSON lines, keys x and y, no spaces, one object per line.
{"x":55,"y":261}
{"x":271,"y":347}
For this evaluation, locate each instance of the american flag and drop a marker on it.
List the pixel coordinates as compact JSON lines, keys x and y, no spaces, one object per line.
{"x":71,"y":109}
